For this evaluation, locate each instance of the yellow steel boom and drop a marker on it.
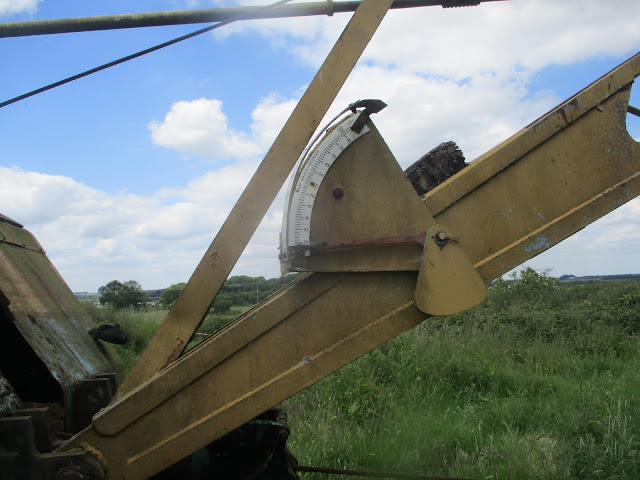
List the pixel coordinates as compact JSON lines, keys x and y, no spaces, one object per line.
{"x":380,"y":259}
{"x":562,"y":172}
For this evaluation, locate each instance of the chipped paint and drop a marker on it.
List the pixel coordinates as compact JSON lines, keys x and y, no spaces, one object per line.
{"x":541,"y":241}
{"x":65,"y":351}
{"x":304,"y":361}
{"x":48,"y":315}
{"x":507,"y":215}
{"x":540,"y":215}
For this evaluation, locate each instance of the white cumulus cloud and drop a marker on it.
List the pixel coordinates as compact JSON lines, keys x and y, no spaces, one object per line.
{"x":93,"y":237}
{"x":424,"y":111}
{"x":10,"y":7}
{"x":200,"y":127}
{"x":504,"y":38}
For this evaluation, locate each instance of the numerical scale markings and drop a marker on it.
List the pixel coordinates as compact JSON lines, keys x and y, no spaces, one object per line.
{"x":310,"y":175}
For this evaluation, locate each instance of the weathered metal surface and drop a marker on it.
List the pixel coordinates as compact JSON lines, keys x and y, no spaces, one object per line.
{"x":355,"y":315}
{"x":27,"y":439}
{"x":38,"y":306}
{"x":377,"y":201}
{"x":390,"y":254}
{"x":208,"y":15}
{"x":4,"y":218}
{"x":8,"y":398}
{"x":12,"y":233}
{"x":578,"y":165}
{"x":447,"y":282}
{"x":559,"y":174}
{"x":234,"y":337}
{"x":194,"y":301}
{"x":89,"y":397}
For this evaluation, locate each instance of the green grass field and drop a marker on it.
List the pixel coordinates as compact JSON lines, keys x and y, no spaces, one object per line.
{"x":542,"y":381}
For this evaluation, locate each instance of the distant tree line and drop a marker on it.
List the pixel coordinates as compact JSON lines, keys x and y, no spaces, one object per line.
{"x":240,"y":290}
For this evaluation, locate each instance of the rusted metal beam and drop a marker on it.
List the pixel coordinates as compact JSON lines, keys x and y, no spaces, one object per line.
{"x":208,"y":15}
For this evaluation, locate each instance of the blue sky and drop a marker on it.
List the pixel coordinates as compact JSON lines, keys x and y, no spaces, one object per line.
{"x":129,"y":173}
{"x":103,"y":118}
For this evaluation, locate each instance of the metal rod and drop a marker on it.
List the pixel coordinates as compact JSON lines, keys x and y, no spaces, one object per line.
{"x":208,"y":15}
{"x":362,"y":473}
{"x":633,"y":110}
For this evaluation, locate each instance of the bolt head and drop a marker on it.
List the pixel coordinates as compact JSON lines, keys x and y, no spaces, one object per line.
{"x":441,"y":237}
{"x":338,"y":193}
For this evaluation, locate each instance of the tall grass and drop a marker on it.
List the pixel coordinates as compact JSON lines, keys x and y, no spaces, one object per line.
{"x":542,"y":381}
{"x":140,"y":325}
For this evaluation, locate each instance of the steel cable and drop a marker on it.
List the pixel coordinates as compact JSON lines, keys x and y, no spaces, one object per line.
{"x":127,"y":58}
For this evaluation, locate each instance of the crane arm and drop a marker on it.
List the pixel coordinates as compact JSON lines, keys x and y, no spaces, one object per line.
{"x":562,"y":172}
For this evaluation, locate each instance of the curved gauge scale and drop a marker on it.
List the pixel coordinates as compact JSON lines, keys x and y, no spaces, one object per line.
{"x":309,"y":175}
{"x":367,"y":218}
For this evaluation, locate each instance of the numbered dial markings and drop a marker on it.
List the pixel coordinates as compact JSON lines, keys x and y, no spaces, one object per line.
{"x":310,"y":174}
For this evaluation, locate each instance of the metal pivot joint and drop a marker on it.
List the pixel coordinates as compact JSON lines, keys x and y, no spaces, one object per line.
{"x":447,"y":282}
{"x":441,"y":238}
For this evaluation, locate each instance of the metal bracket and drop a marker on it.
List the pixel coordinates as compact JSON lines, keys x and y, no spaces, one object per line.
{"x":26,"y":438}
{"x":370,"y":106}
{"x":448,"y":282}
{"x":90,"y":396}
